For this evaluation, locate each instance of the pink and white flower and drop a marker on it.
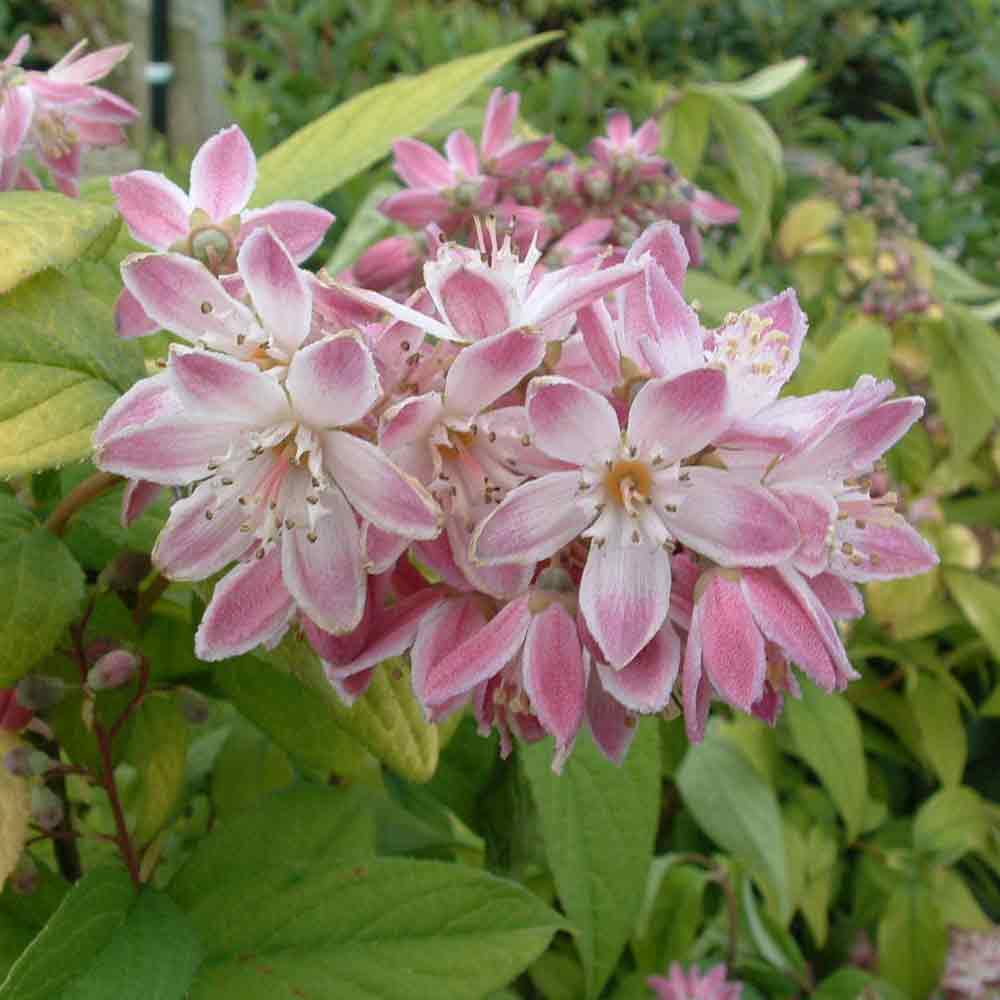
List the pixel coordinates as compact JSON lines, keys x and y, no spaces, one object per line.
{"x":57,"y":114}
{"x":280,"y":474}
{"x":449,"y":190}
{"x":211,"y":222}
{"x":628,"y":492}
{"x":478,"y":299}
{"x":634,"y":154}
{"x":695,"y":985}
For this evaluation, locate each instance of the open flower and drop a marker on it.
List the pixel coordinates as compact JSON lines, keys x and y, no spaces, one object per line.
{"x":57,"y":114}
{"x":628,"y":492}
{"x":211,"y":222}
{"x":279,"y":476}
{"x":479,"y":298}
{"x":694,"y":985}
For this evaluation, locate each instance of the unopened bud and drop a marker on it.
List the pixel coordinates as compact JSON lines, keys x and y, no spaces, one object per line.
{"x":112,"y":670}
{"x":24,"y":879}
{"x":386,"y":263}
{"x":38,"y":693}
{"x":13,"y":716}
{"x":126,"y":571}
{"x":27,"y":762}
{"x":196,"y":708}
{"x":598,"y":186}
{"x":558,"y":185}
{"x":46,"y":808}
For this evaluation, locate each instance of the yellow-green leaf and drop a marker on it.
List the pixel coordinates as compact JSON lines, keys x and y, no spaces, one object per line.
{"x":765,"y":82}
{"x":387,"y":721}
{"x":357,"y":133}
{"x":14,"y":811}
{"x":43,"y":229}
{"x":827,"y":736}
{"x":61,"y":367}
{"x":806,"y":222}
{"x":158,"y":751}
{"x":980,"y":602}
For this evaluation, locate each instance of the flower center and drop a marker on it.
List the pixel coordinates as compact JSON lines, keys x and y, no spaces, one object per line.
{"x":212,"y":246}
{"x":627,"y":482}
{"x":55,"y":136}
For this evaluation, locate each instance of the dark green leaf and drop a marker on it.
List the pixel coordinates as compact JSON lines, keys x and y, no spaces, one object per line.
{"x":598,"y":822}
{"x":152,"y":956}
{"x":827,"y":736}
{"x":85,"y":923}
{"x":739,"y":811}
{"x":41,"y":588}
{"x":951,"y":823}
{"x":912,"y":940}
{"x":387,"y":930}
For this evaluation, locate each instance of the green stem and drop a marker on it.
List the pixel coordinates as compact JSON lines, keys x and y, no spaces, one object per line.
{"x":89,"y":490}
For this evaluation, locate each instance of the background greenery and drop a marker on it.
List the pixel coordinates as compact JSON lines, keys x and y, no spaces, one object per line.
{"x":835,"y":849}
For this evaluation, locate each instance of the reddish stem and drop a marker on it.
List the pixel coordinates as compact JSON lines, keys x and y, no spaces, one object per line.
{"x":123,"y":839}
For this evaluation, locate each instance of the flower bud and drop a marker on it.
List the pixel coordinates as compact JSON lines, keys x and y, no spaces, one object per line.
{"x":126,"y":571}
{"x":195,"y":707}
{"x":387,"y":263}
{"x":112,"y":670}
{"x":38,"y":693}
{"x":27,"y":762}
{"x":46,"y":808}
{"x":598,"y":185}
{"x":13,"y":716}
{"x":24,"y":879}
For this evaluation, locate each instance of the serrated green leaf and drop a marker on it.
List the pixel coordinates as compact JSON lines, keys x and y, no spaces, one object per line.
{"x":671,"y":914}
{"x":86,"y":921}
{"x":387,"y":720}
{"x":774,"y":943}
{"x":951,"y":823}
{"x":942,"y":734}
{"x":41,"y":589}
{"x":289,"y":697}
{"x":827,"y":735}
{"x":851,"y":984}
{"x":152,"y":956}
{"x":953,"y":282}
{"x":61,"y":367}
{"x":862,"y":347}
{"x":980,"y":602}
{"x":388,"y":930}
{"x":912,"y":940}
{"x":42,"y":229}
{"x":956,"y":903}
{"x":963,"y":393}
{"x":357,"y":133}
{"x":157,"y":749}
{"x":246,"y":873}
{"x":739,"y":811}
{"x":819,"y":880}
{"x":247,"y":769}
{"x":598,"y":822}
{"x":685,"y":132}
{"x":765,"y":82}
{"x":558,"y":975}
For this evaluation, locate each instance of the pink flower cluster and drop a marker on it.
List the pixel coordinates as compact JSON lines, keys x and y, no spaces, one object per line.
{"x":692,"y":985}
{"x":555,"y":490}
{"x":569,"y":209}
{"x":54,"y":116}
